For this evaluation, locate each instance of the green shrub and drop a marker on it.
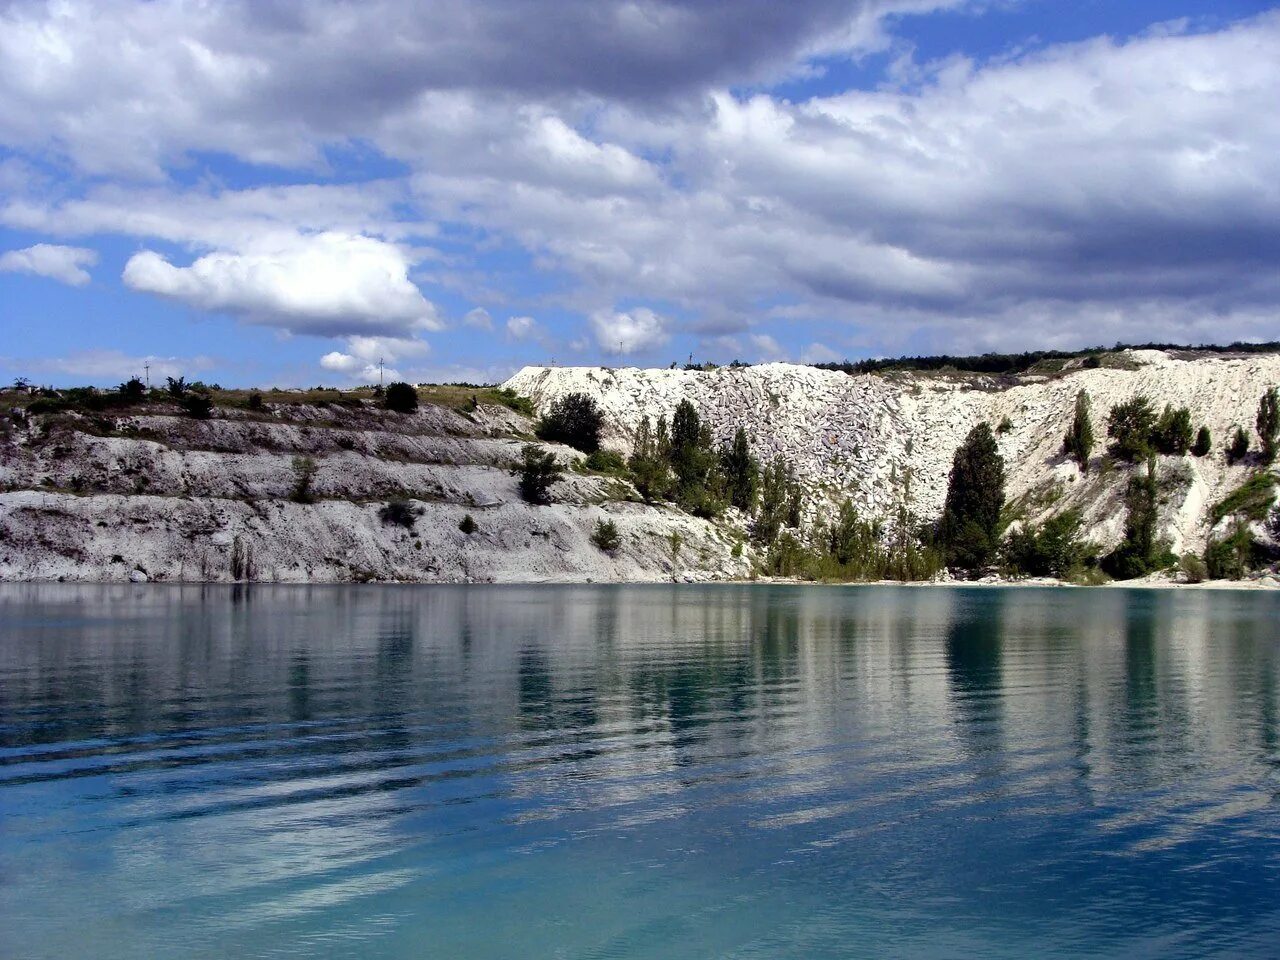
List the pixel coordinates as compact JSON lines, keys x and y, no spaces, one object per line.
{"x":512,"y":400}
{"x":177,"y":387}
{"x":304,"y":471}
{"x":1251,"y":500}
{"x":255,"y":401}
{"x":574,"y":420}
{"x":1194,"y":570}
{"x":1233,"y":556}
{"x":648,"y":461}
{"x":537,"y":470}
{"x":400,"y":513}
{"x":198,"y":405}
{"x":740,"y":472}
{"x":468,"y":525}
{"x":1006,"y":426}
{"x":400,"y":397}
{"x":780,"y":503}
{"x":1239,"y":446}
{"x":606,"y":461}
{"x":606,"y":536}
{"x":1203,"y":444}
{"x":1053,"y":548}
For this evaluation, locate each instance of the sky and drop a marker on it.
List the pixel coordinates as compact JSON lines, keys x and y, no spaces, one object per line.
{"x":271,"y":192}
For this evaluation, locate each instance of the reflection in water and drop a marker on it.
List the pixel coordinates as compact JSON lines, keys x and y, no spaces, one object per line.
{"x":637,"y":772}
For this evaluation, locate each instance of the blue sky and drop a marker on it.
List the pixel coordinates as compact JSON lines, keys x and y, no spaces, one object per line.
{"x":275,"y":193}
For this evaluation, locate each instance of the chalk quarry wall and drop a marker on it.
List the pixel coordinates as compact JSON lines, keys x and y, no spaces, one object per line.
{"x":883,"y":439}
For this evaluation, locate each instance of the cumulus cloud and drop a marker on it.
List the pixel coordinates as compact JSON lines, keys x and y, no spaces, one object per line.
{"x":635,"y":331}
{"x":478,"y":318}
{"x":522,"y":328}
{"x":64,"y":264}
{"x":328,"y":284}
{"x":1083,"y":191}
{"x":363,"y":354}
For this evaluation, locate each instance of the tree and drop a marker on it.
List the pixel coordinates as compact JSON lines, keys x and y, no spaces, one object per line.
{"x":1130,"y":426}
{"x":1239,"y":446}
{"x":605,"y":536}
{"x":1231,"y":557}
{"x":649,"y":471}
{"x":969,"y":530}
{"x":468,"y":524}
{"x":400,"y":397}
{"x":1173,"y":432}
{"x":1079,"y":441}
{"x":855,"y":545}
{"x":537,"y":470}
{"x":132,"y":390}
{"x":177,"y":387}
{"x":1139,"y":552}
{"x":691,"y":459}
{"x":780,"y":502}
{"x":574,"y":420}
{"x":740,"y":472}
{"x":1269,"y":424}
{"x":1203,"y":444}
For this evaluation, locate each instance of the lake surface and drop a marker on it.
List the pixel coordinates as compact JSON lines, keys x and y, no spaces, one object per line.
{"x":657,"y":772}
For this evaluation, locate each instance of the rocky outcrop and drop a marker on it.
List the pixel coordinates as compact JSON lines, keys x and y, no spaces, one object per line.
{"x":159,"y":496}
{"x":887,"y":439}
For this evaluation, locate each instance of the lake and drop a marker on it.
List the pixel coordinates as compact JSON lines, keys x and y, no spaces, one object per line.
{"x":638,"y":771}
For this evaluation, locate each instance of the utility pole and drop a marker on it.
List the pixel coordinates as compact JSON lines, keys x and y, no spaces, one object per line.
{"x":379,"y":373}
{"x":147,"y":368}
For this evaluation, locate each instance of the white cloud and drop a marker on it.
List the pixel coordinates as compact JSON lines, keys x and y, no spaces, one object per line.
{"x":522,"y":328}
{"x":478,"y":318}
{"x":818,"y":353}
{"x":635,"y":331}
{"x":328,"y":284}
{"x":107,"y":367}
{"x":64,"y":264}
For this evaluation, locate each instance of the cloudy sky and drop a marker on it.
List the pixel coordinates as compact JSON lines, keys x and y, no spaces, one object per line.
{"x":278,"y":192}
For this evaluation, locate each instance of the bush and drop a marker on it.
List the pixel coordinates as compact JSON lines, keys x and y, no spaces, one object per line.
{"x":177,"y":387}
{"x":648,"y":462}
{"x":1194,"y":570}
{"x":400,"y":397}
{"x":1203,"y":444}
{"x":255,"y":401}
{"x":468,"y":525}
{"x":740,"y":472}
{"x":198,"y":405}
{"x":1006,"y":426}
{"x":1130,"y":426}
{"x":1233,"y":556}
{"x":573,"y":420}
{"x":1251,"y":500}
{"x":606,"y":461}
{"x":606,"y":536}
{"x":512,"y":400}
{"x":1238,"y":449}
{"x":537,"y":470}
{"x":304,"y":471}
{"x":400,"y":513}
{"x":780,"y":503}
{"x":1051,"y":549}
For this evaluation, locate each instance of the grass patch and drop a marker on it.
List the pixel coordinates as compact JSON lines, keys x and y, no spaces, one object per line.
{"x":1251,"y":500}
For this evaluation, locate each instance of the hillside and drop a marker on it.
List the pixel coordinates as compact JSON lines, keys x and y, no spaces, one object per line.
{"x":145,"y":490}
{"x":149,"y":492}
{"x":883,"y":439}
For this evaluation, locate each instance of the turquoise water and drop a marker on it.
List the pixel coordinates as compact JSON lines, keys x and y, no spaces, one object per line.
{"x":658,"y":772}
